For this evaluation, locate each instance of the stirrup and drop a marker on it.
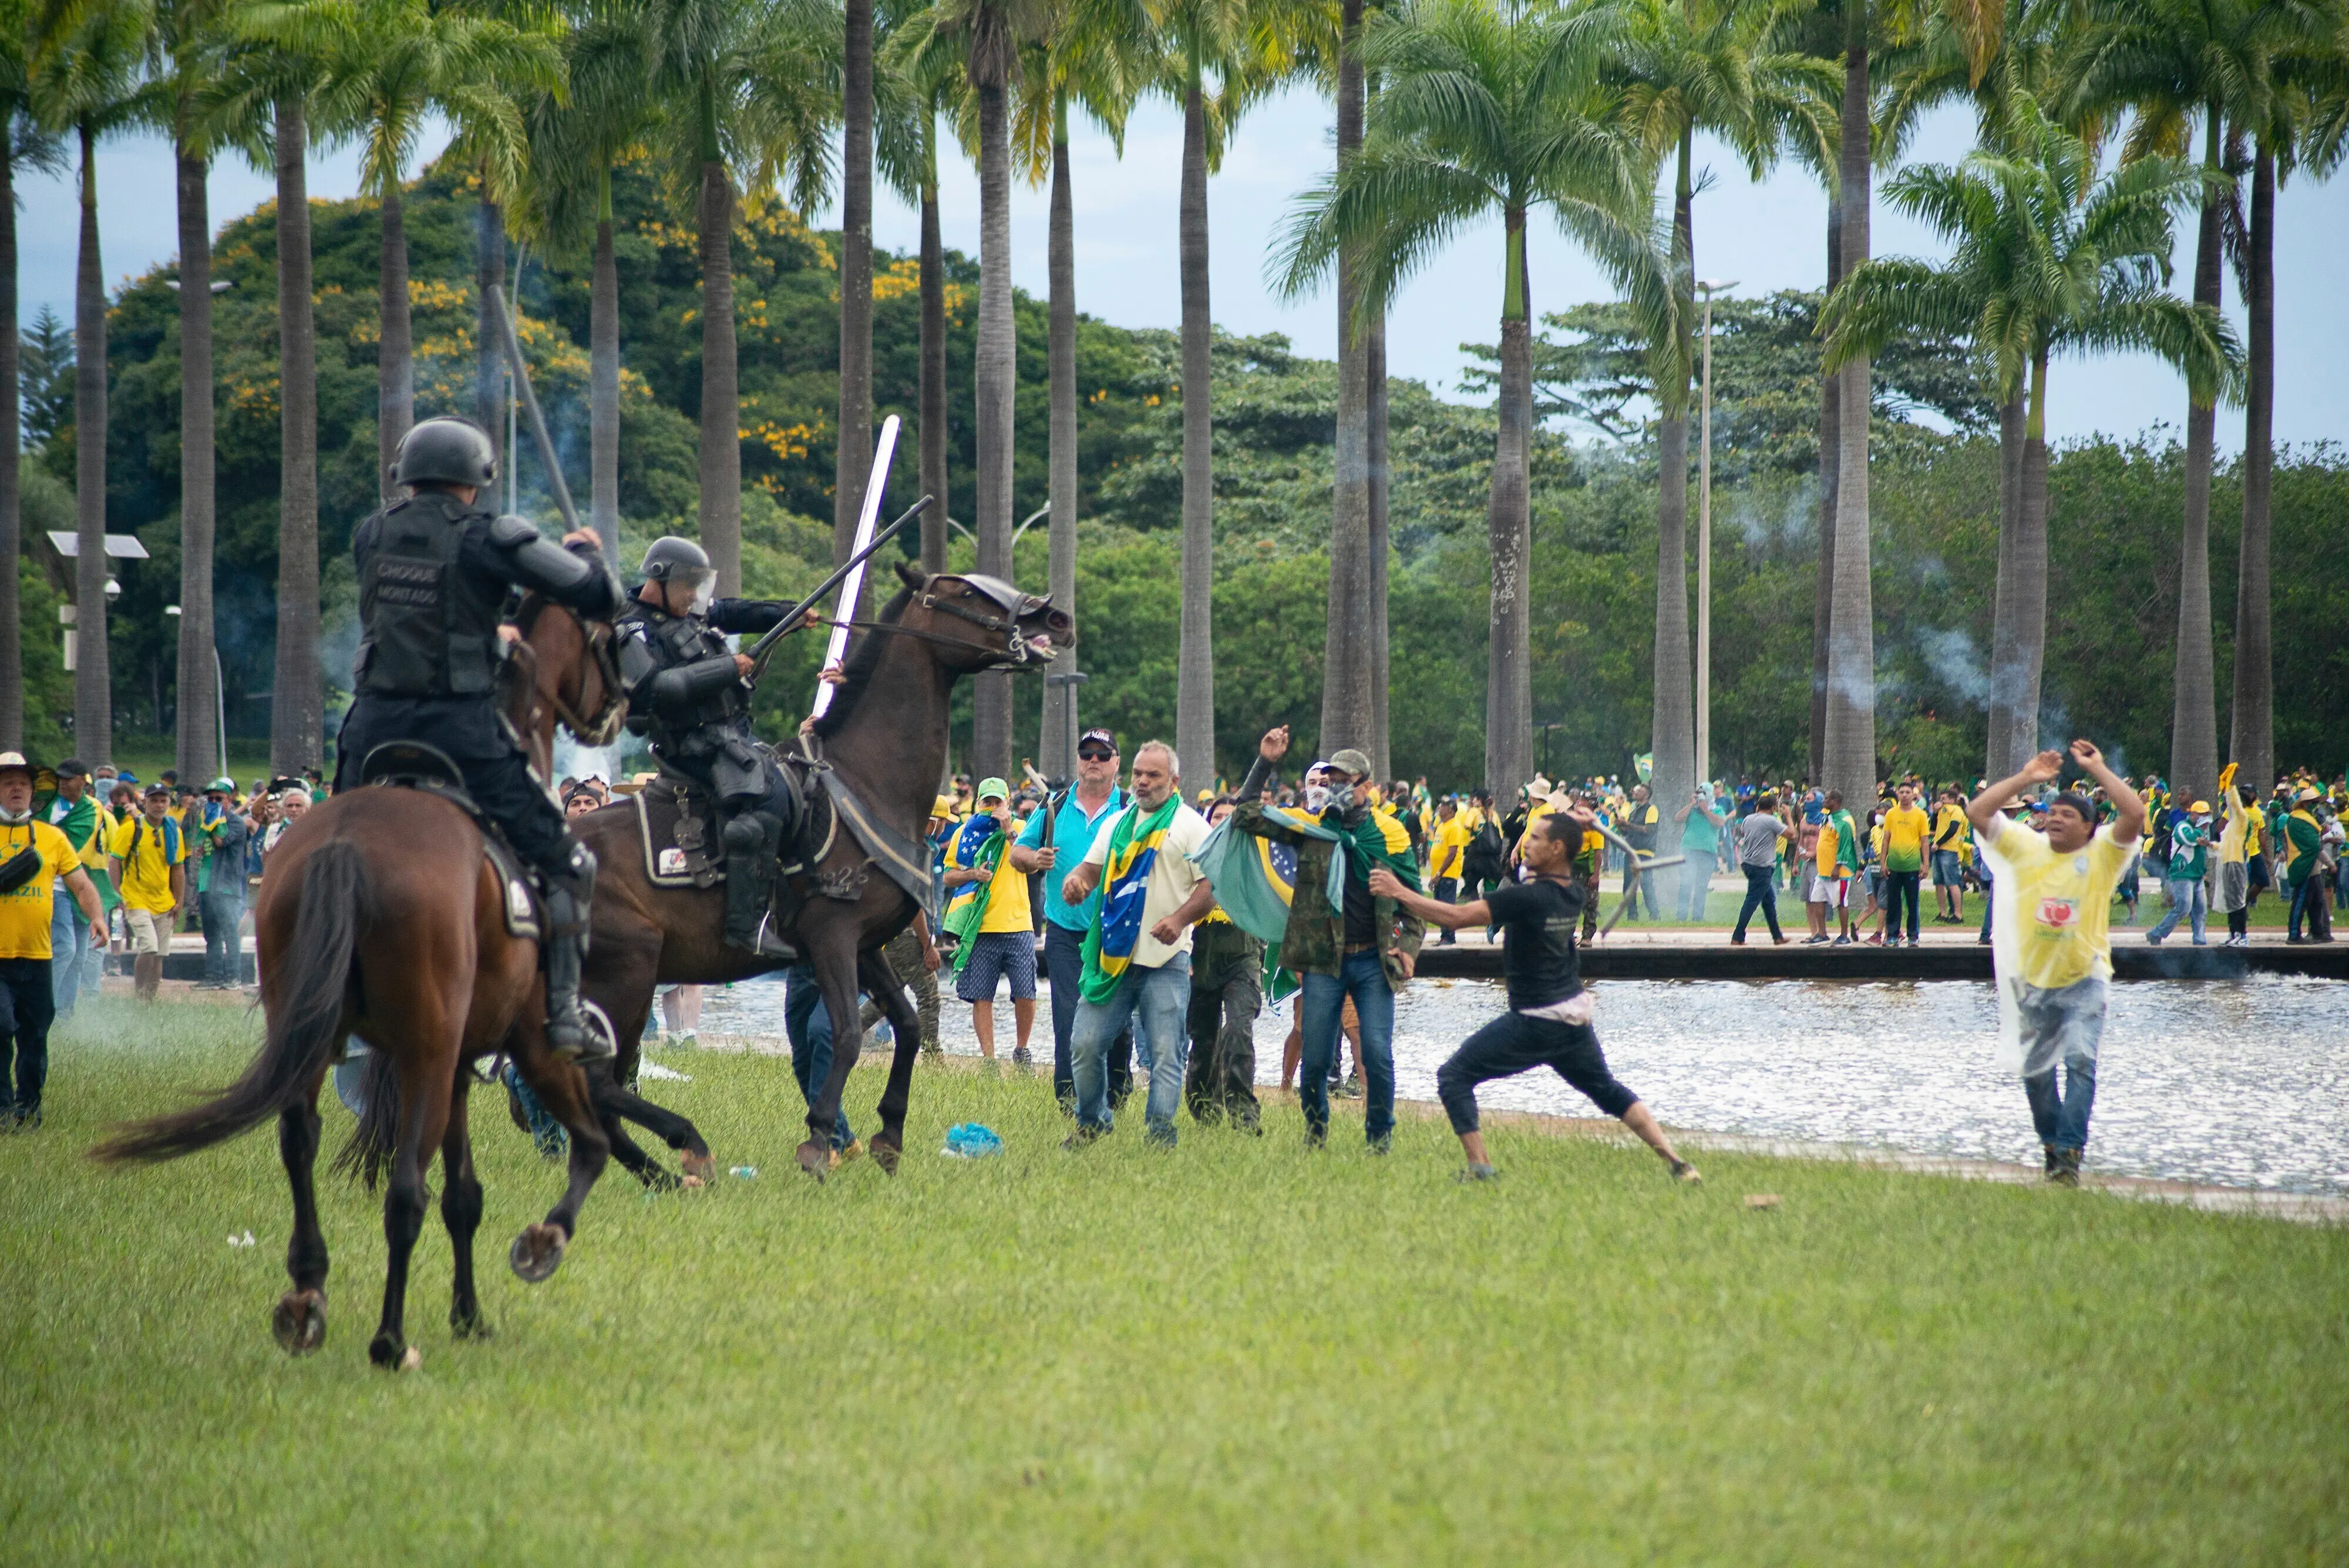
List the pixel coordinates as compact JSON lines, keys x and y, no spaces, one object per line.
{"x":589,"y":1039}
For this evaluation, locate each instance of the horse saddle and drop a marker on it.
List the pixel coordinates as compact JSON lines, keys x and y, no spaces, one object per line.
{"x":420,"y":765}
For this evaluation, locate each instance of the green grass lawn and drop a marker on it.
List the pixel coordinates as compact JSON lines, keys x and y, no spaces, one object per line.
{"x":1235,"y":1352}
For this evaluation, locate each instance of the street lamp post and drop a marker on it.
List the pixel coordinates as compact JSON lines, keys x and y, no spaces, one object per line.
{"x":1704,"y":546}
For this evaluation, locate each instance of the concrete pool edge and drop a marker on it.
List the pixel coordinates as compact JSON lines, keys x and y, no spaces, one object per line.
{"x":1690,"y":961}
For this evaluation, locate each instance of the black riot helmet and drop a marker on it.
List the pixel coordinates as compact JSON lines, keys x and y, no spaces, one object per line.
{"x":681,"y":561}
{"x":445,"y":451}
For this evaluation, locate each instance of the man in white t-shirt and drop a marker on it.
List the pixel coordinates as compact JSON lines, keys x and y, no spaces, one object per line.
{"x":1137,"y":953}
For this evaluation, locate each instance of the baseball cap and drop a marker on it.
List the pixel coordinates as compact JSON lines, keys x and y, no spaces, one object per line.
{"x":11,"y":762}
{"x":1103,"y":736}
{"x":126,"y":778}
{"x":72,"y":768}
{"x":993,"y":789}
{"x":221,"y":785}
{"x":1350,"y":761}
{"x":2200,"y":806}
{"x":159,"y":787}
{"x":943,"y":806}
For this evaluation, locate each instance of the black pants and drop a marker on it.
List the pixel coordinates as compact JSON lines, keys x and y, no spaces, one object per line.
{"x":1227,"y":993}
{"x":1899,"y":885}
{"x":1064,"y":966}
{"x":26,"y":1007}
{"x":1512,"y":1043}
{"x":1761,"y":893}
{"x":496,"y":774}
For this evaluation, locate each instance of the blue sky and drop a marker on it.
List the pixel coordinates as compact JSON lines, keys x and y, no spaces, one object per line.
{"x":1766,"y":235}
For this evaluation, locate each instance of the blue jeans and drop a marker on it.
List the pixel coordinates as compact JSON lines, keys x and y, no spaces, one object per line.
{"x":1361,"y":977}
{"x":2187,"y":895}
{"x":68,"y":950}
{"x":808,"y":1026}
{"x":1696,"y":881}
{"x":2062,"y":1027}
{"x":2303,"y":898}
{"x":1161,"y":996}
{"x":223,"y":959}
{"x":1761,"y":893}
{"x":1637,"y":884}
{"x":1064,"y":966}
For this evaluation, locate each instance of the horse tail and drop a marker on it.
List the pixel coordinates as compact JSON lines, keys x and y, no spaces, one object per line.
{"x":304,"y":1032}
{"x":376,"y":1139}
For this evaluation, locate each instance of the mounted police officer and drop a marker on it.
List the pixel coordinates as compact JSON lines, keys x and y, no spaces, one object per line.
{"x":434,"y":574}
{"x":690,"y":694}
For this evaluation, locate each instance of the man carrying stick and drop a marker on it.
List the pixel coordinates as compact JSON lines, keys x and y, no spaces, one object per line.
{"x":1548,"y":1021}
{"x":2051,"y":949}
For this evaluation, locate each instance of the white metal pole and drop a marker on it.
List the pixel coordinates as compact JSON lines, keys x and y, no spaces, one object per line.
{"x":220,"y":710}
{"x":866,"y":520}
{"x":513,"y":405}
{"x":1704,"y":561}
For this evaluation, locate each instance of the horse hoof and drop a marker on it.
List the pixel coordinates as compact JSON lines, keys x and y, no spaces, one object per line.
{"x":690,"y":1183}
{"x":537,"y":1253}
{"x":300,"y":1321}
{"x":394,"y":1357}
{"x":700,"y":1168}
{"x":885,"y":1151}
{"x":816,"y":1159}
{"x":468,"y":1325}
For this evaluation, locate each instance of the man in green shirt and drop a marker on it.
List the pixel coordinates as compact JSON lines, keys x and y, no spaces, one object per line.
{"x":1700,"y":842}
{"x":2189,"y":862}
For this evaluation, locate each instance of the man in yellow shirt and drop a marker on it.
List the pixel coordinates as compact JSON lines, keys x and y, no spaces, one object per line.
{"x":1447,"y":858}
{"x":147,"y":856}
{"x":2052,"y":953}
{"x":35,"y":859}
{"x":1905,"y":828}
{"x":1003,"y":943}
{"x":1949,"y":858}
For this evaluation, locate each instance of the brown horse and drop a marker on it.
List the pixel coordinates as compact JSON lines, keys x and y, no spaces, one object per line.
{"x":381,"y":917}
{"x":887,"y":735}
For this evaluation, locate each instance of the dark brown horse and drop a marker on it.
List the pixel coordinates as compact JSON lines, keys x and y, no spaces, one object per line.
{"x":380,"y":917}
{"x":887,"y":735}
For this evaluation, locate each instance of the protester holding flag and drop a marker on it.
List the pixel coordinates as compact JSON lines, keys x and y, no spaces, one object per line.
{"x":988,"y":910}
{"x":1137,"y":949}
{"x":1343,"y":942}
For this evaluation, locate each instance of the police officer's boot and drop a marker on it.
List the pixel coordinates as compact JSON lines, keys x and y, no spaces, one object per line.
{"x":568,"y":1029}
{"x":751,"y":840}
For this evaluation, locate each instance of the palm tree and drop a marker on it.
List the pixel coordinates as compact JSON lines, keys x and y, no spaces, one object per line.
{"x":187,"y":27}
{"x":1677,"y":70}
{"x":908,"y":89}
{"x":89,"y":82}
{"x":397,"y":64}
{"x":1482,"y":111}
{"x":22,"y":142}
{"x":755,"y":85}
{"x":1349,"y":703}
{"x":2046,"y":256}
{"x":2173,"y":62}
{"x":853,"y":455}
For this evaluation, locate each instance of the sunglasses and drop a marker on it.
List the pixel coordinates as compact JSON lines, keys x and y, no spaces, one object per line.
{"x":1095,"y":754}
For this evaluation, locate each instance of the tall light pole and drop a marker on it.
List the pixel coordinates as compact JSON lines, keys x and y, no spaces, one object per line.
{"x":1704,"y":546}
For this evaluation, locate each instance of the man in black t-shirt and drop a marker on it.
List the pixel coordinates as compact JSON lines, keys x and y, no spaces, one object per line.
{"x":1548,"y":1021}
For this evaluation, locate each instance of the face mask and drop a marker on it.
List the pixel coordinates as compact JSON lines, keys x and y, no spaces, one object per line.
{"x":1316,"y":797}
{"x":1341,"y":800}
{"x":16,"y":818}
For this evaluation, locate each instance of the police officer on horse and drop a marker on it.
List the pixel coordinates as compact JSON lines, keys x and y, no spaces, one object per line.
{"x":690,"y":695}
{"x":434,"y":574}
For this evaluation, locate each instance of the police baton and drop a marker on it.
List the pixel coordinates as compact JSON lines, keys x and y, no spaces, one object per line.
{"x":765,"y":646}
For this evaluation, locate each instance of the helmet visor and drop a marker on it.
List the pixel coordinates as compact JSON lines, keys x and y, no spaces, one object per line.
{"x":705,"y":591}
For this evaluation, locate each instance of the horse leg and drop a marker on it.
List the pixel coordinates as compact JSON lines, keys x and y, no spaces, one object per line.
{"x":300,"y":1320}
{"x":882,"y":983}
{"x":835,"y":957}
{"x":460,"y":1210}
{"x":563,"y":1089}
{"x":662,"y":1123}
{"x":425,"y":1090}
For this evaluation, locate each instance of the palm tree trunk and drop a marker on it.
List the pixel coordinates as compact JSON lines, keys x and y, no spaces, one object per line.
{"x":198,"y":755}
{"x":1194,"y":682}
{"x":1345,"y":646}
{"x":852,"y":454}
{"x":2194,"y":716}
{"x":2013,"y":416}
{"x":1830,"y":452}
{"x":604,"y":382}
{"x":1375,"y":372}
{"x":297,"y":704}
{"x":933,"y":390}
{"x":1056,"y":740}
{"x":12,"y":629}
{"x":1508,"y":525}
{"x":395,"y":374}
{"x":721,"y":402}
{"x":489,"y":352}
{"x":996,"y":354}
{"x":2253,"y":741}
{"x":1671,"y":728}
{"x":93,"y":690}
{"x":2029,"y":595}
{"x":1851,"y":632}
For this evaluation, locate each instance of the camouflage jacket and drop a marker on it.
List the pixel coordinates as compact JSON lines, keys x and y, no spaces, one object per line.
{"x":1314,"y":940}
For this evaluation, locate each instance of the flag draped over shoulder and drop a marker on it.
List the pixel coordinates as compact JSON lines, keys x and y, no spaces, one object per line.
{"x":1116,"y":930}
{"x":977,"y":846}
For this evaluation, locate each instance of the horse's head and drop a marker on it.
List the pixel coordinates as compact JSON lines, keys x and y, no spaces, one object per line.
{"x":983,"y":623}
{"x":573,"y":675}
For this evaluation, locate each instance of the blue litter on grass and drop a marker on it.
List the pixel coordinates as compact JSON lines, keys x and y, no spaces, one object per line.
{"x":969,"y":1140}
{"x":747,"y":1172}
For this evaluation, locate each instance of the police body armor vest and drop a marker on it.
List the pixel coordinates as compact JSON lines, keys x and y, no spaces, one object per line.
{"x":701,"y":726}
{"x":426,"y":629}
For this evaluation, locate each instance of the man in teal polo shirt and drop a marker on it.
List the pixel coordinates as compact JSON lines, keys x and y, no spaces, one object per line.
{"x":1059,"y":833}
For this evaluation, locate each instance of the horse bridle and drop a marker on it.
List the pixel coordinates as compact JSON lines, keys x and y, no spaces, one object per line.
{"x":1016,"y":650}
{"x":604,"y":726}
